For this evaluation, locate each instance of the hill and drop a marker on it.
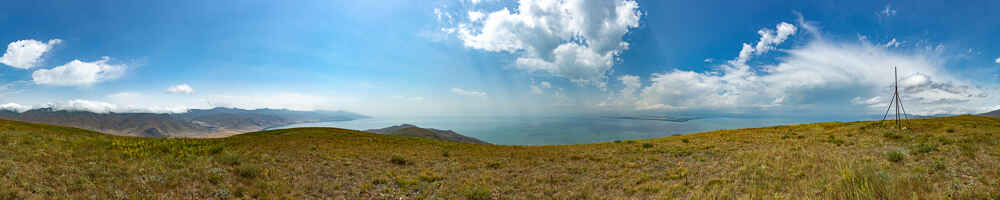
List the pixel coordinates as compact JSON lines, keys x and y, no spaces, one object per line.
{"x":938,"y":158}
{"x":995,"y":113}
{"x":409,"y":130}
{"x":216,"y":122}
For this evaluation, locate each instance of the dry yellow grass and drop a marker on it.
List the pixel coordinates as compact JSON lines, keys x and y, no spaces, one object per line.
{"x":939,"y":158}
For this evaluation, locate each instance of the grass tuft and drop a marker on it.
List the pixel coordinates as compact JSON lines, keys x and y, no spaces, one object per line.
{"x":895,"y":156}
{"x":399,"y":160}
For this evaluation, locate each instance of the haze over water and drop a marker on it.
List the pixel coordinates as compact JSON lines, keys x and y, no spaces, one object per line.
{"x":553,"y":130}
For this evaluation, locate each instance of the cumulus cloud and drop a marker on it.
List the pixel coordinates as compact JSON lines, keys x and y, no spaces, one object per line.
{"x":768,"y":39}
{"x":15,"y":107}
{"x":79,"y":73}
{"x":576,"y":40}
{"x":108,"y":107}
{"x":820,"y":72}
{"x":471,"y":93}
{"x":475,"y":16}
{"x":25,"y":54}
{"x":997,"y":60}
{"x":180,"y":89}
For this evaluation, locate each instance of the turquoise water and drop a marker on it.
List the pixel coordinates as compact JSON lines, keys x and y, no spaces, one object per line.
{"x":558,"y":130}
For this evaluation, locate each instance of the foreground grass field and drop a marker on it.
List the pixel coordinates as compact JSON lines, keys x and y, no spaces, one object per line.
{"x":940,"y":158}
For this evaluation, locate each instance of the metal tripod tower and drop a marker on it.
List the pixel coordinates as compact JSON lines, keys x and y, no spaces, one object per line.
{"x":895,"y":101}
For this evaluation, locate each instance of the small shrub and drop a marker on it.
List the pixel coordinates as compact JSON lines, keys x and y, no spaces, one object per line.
{"x":222,"y":193}
{"x":896,"y":156}
{"x":217,"y":149}
{"x":406,"y":181}
{"x":891,"y":135}
{"x":647,"y":145}
{"x":478,"y":192}
{"x":445,"y":154}
{"x":617,"y":141}
{"x":945,"y":141}
{"x":493,"y":165}
{"x":231,"y":159}
{"x":834,"y":140}
{"x":429,"y":176}
{"x":399,"y":160}
{"x":950,"y":130}
{"x":677,"y":173}
{"x":630,"y":142}
{"x":924,"y":148}
{"x":864,"y":183}
{"x":938,"y":165}
{"x":249,"y":171}
{"x":379,"y":181}
{"x":685,"y":140}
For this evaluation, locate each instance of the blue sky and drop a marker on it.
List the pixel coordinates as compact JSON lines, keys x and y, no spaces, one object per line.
{"x":491,"y":57}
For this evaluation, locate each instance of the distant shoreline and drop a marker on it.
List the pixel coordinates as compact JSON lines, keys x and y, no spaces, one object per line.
{"x":657,"y":118}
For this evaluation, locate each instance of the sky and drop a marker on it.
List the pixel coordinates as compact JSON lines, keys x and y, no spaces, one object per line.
{"x":493,"y":57}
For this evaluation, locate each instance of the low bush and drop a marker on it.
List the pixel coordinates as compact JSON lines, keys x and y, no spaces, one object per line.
{"x":249,"y":171}
{"x":478,"y":192}
{"x":892,"y":135}
{"x":399,"y":160}
{"x":896,"y":156}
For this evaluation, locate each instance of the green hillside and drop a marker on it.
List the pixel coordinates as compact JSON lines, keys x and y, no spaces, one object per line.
{"x":939,"y":158}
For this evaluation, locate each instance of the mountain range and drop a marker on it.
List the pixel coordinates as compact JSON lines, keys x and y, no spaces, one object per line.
{"x":995,"y":113}
{"x":215,"y":122}
{"x":409,"y":130}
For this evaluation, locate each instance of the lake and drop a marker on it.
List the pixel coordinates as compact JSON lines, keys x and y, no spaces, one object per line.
{"x":521,"y":130}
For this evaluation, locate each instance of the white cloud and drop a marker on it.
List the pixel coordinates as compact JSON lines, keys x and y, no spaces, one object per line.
{"x":86,"y":105}
{"x":475,"y":16}
{"x":15,"y":107}
{"x":546,"y":84}
{"x":471,"y":93}
{"x":627,"y":96}
{"x":997,"y":60}
{"x":768,"y":39}
{"x":77,"y":73}
{"x":892,"y":43}
{"x":291,"y":101}
{"x":540,"y":87}
{"x":888,"y":11}
{"x":181,"y":89}
{"x":576,"y":40}
{"x":535,"y":89}
{"x":835,"y":74}
{"x":107,"y":107}
{"x":25,"y":54}
{"x":707,"y":60}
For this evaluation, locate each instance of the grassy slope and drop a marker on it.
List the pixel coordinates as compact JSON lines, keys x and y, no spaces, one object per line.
{"x":939,"y":158}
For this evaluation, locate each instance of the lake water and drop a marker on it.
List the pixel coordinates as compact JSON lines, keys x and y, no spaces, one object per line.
{"x":522,"y":130}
